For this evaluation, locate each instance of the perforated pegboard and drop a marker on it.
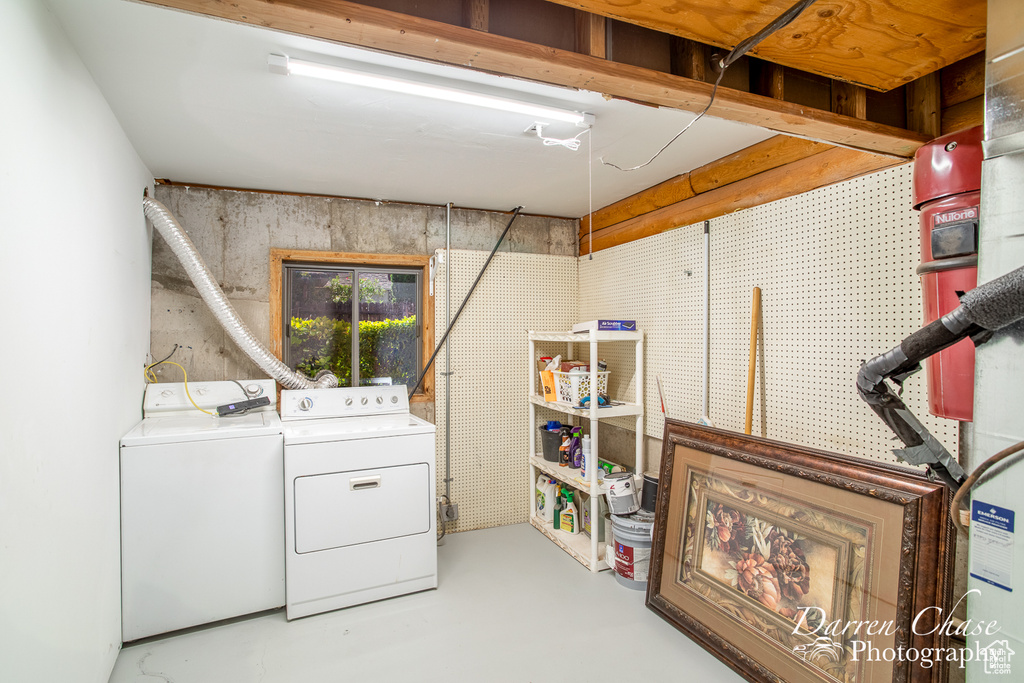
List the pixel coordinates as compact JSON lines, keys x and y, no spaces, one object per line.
{"x":836,"y":271}
{"x":490,"y":384}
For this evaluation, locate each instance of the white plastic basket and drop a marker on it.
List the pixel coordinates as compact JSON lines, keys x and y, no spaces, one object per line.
{"x":573,"y":387}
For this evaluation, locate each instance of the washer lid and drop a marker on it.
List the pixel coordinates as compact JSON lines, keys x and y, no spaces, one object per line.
{"x":182,"y":428}
{"x":346,"y":428}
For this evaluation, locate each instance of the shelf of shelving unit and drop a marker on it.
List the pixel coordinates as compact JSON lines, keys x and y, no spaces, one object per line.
{"x":587,"y":550}
{"x":624,"y":410}
{"x":577,"y":545}
{"x":566,"y":475}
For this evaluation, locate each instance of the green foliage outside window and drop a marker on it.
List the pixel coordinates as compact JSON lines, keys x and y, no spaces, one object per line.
{"x":370,"y":290}
{"x":387,"y":348}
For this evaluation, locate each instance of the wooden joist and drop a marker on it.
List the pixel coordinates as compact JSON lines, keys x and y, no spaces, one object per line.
{"x":591,"y":35}
{"x":378,"y":29}
{"x":963,"y":94}
{"x":924,"y":105}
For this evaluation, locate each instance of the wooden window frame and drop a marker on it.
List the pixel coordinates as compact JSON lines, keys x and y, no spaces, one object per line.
{"x":278,"y":258}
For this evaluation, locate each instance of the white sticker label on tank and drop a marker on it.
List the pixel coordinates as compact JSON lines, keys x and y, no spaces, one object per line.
{"x":992,"y":544}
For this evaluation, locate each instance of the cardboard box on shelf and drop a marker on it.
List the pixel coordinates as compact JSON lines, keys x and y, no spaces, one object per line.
{"x":547,"y":380}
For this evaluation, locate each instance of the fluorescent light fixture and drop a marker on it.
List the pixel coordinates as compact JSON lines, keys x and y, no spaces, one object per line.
{"x":296,"y":67}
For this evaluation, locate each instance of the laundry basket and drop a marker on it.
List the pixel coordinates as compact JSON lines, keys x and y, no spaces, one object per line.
{"x":573,"y":387}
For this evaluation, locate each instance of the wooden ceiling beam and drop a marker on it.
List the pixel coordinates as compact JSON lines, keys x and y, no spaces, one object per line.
{"x":369,"y":27}
{"x":831,"y":166}
{"x":758,"y":158}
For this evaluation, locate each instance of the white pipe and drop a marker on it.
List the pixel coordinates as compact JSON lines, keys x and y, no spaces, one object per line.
{"x":448,"y":357}
{"x":707,"y":318}
{"x":210,"y":291}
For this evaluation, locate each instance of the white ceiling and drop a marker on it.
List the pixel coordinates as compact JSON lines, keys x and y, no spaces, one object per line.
{"x":197,"y":100}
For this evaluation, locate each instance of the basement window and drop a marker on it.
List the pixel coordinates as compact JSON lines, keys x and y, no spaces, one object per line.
{"x":363,"y":317}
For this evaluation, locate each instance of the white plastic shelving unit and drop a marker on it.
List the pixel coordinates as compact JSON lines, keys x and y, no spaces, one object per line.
{"x":587,"y":550}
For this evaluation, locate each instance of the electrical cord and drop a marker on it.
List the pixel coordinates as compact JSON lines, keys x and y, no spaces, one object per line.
{"x":440,"y":519}
{"x":714,"y":90}
{"x":245,"y":392}
{"x":722,"y":64}
{"x":572,"y":143}
{"x":148,"y":372}
{"x":971,"y":481}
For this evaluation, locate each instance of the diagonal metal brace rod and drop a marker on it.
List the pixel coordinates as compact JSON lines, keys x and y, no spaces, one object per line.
{"x":440,"y":344}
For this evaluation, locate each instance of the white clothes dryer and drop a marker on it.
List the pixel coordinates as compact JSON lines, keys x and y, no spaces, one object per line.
{"x":359,"y":498}
{"x":202,"y":509}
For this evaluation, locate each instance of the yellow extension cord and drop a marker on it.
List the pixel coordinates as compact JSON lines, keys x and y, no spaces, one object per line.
{"x":152,"y":378}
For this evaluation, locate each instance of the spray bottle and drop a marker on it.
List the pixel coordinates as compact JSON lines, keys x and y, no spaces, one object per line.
{"x":557,"y":509}
{"x":575,"y":448}
{"x":570,"y":518}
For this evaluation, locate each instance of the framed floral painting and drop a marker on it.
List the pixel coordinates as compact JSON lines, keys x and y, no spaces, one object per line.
{"x":792,"y":564}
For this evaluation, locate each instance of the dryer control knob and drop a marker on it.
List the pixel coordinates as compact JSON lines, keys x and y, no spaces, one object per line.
{"x":363,"y":400}
{"x":254,"y":390}
{"x":166,"y":393}
{"x":305,"y":404}
{"x":394,"y":399}
{"x":380,"y":400}
{"x":348,"y":401}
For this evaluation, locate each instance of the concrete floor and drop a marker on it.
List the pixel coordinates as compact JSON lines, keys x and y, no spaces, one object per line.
{"x":510,"y":606}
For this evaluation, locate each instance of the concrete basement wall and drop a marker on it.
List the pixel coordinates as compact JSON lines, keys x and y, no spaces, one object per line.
{"x":234,"y":231}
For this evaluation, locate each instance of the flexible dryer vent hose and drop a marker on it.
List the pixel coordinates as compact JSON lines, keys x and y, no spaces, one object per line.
{"x":219,"y":305}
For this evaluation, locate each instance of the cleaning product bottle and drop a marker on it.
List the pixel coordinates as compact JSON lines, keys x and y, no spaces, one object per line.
{"x":576,"y":448}
{"x":589,"y":523}
{"x":540,"y":494}
{"x":557,"y":509}
{"x":551,"y":494}
{"x":586,"y":456}
{"x":570,"y":518}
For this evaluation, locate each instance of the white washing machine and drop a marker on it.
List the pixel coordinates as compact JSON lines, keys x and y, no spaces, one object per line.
{"x":359,"y":498}
{"x":202,"y":523}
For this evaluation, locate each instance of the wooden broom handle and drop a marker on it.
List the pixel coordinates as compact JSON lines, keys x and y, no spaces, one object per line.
{"x":755,"y":315}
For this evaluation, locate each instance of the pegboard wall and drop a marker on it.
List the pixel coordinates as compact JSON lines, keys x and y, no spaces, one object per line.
{"x":490,"y":380}
{"x":836,"y":272}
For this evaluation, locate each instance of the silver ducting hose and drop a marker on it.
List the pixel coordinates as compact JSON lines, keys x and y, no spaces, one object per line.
{"x":219,"y":305}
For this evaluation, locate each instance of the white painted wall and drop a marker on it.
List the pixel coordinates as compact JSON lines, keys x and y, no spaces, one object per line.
{"x":74,"y":297}
{"x":999,"y":367}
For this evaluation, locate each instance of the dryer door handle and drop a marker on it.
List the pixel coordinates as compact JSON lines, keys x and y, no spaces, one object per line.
{"x":362,"y":483}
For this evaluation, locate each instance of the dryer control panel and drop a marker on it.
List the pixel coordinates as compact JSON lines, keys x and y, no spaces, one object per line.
{"x":309,"y":404}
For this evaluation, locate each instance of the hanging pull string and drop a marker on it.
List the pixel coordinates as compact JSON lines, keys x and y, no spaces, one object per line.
{"x":721,"y":65}
{"x":569,"y":143}
{"x":590,"y":188}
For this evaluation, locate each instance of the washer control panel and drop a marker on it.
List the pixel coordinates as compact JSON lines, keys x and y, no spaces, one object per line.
{"x":309,"y":404}
{"x":171,"y":397}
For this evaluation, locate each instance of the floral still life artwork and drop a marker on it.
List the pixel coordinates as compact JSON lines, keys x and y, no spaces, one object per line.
{"x":793,"y":564}
{"x":776,"y":563}
{"x":767,"y":562}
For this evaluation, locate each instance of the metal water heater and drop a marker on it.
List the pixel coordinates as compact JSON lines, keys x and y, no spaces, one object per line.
{"x":947,"y":191}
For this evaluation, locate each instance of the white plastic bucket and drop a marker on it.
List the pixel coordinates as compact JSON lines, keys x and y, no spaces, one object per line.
{"x":631,"y":548}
